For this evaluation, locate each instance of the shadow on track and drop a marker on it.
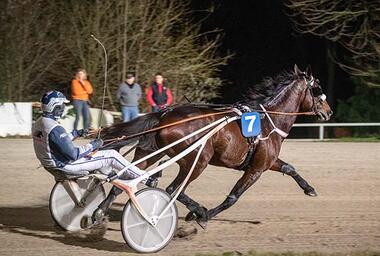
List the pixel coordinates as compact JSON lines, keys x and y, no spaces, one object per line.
{"x":37,"y":222}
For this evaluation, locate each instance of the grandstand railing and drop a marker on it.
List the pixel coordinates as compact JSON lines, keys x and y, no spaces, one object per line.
{"x":323,"y":125}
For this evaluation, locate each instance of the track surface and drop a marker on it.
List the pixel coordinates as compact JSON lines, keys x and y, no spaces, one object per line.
{"x":273,"y":215}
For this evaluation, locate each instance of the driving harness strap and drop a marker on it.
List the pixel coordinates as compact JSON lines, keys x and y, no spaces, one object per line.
{"x":249,"y":157}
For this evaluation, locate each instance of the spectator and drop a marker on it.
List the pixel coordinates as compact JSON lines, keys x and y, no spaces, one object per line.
{"x":81,"y":90}
{"x":159,"y":95}
{"x":129,"y":94}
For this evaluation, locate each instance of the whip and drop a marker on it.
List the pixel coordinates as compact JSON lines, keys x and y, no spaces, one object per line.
{"x":105,"y":81}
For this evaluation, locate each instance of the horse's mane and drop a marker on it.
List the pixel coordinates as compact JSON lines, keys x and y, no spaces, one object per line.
{"x":268,"y":89}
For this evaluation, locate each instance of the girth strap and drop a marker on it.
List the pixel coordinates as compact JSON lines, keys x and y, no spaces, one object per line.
{"x":249,"y":156}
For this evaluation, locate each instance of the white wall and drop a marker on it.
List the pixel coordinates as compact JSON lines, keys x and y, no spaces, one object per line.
{"x":68,"y":121}
{"x":15,"y":119}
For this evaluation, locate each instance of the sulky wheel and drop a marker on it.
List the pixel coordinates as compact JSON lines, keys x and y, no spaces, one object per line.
{"x":65,"y":212}
{"x":138,"y":233}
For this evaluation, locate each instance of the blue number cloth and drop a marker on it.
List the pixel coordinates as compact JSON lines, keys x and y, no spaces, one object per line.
{"x":250,"y":124}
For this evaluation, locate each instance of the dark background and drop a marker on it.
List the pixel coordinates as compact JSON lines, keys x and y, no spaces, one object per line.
{"x":261,"y":36}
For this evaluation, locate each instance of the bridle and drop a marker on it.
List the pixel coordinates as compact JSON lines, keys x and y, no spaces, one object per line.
{"x":315,"y":92}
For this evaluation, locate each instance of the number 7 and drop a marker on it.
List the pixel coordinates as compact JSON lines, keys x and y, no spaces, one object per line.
{"x":251,"y":122}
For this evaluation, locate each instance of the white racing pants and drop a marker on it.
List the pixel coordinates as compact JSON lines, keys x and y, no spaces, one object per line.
{"x":104,"y":159}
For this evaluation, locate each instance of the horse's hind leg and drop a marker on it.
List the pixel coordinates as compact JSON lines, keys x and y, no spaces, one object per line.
{"x":197,"y":211}
{"x":285,"y":168}
{"x":247,"y":180}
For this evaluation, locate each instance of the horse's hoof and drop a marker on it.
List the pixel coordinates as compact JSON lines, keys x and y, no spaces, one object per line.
{"x":310,"y":192}
{"x":190,"y":216}
{"x":202,"y":224}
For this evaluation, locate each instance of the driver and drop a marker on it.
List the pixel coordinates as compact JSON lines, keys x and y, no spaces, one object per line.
{"x":55,"y":150}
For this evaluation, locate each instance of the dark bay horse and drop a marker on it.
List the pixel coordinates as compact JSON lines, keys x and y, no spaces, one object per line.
{"x":290,"y":92}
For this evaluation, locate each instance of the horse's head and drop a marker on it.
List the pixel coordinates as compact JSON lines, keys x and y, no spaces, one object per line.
{"x":315,"y":100}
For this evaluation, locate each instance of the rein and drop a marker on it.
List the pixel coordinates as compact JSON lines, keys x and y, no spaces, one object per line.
{"x":111,"y":141}
{"x":166,"y":126}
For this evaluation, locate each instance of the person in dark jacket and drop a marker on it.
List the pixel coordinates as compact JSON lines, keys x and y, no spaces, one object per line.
{"x":129,"y":94}
{"x":159,"y":95}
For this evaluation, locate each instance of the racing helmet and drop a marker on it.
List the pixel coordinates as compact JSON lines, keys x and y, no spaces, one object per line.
{"x":53,"y":104}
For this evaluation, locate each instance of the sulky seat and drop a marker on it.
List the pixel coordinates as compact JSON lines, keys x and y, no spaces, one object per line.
{"x":61,"y":174}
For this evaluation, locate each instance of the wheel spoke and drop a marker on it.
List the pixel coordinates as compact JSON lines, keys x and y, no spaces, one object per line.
{"x":166,"y":216}
{"x":136,"y":224}
{"x":145,"y":235}
{"x":155,"y":205}
{"x":159,"y":233}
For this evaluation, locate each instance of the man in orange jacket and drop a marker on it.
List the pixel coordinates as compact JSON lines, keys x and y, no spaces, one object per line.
{"x":81,"y":89}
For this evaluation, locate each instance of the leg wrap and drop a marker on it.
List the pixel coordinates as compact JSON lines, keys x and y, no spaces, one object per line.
{"x":188,"y":202}
{"x":289,"y":170}
{"x":230,"y":200}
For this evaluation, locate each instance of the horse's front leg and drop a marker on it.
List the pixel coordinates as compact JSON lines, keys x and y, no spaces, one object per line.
{"x":285,"y":168}
{"x":247,"y":180}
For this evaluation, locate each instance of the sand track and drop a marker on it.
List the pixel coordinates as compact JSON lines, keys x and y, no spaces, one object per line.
{"x":274,"y":215}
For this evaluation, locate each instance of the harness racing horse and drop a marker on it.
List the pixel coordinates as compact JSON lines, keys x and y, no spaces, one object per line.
{"x":290,"y":92}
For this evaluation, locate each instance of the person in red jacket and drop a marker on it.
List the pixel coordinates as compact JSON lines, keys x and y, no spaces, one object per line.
{"x":159,"y":95}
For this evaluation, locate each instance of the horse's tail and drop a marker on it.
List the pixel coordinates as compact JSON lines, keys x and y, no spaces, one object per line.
{"x":137,"y":125}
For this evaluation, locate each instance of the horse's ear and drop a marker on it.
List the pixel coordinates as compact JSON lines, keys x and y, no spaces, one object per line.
{"x":297,"y":71}
{"x":308,"y":71}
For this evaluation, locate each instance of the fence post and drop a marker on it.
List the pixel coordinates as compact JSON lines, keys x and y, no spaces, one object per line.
{"x":321,"y":132}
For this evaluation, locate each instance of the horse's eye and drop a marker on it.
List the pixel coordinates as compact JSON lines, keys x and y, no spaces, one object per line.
{"x":317,"y":91}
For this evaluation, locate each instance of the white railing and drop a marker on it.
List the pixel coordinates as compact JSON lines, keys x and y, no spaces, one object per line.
{"x":323,"y":125}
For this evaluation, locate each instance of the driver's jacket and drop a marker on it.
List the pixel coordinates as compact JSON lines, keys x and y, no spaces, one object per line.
{"x":53,"y":145}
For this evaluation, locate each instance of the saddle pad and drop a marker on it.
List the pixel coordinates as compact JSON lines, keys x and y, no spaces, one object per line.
{"x":250,"y":124}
